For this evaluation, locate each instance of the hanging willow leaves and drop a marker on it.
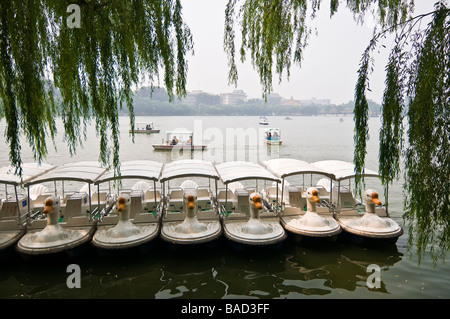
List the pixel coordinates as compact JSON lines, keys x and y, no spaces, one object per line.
{"x":94,"y":67}
{"x":417,"y":72}
{"x":276,"y":32}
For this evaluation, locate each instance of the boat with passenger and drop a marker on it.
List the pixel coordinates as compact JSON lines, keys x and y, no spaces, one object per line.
{"x":247,"y":219}
{"x":144,"y":128}
{"x":304,"y":209}
{"x":178,"y":140}
{"x":67,"y":220}
{"x":189,"y":213}
{"x":17,"y":206}
{"x":365,"y":218}
{"x":272,"y":136}
{"x":134,"y":220}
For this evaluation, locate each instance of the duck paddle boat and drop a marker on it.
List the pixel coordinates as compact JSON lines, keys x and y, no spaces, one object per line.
{"x":135,"y":220}
{"x":17,"y":206}
{"x":246,"y":218}
{"x":190,"y":214}
{"x":360,"y":219}
{"x":67,"y":220}
{"x":178,"y":141}
{"x":304,"y":211}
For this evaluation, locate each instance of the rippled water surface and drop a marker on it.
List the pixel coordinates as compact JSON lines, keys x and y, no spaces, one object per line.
{"x":295,"y":269}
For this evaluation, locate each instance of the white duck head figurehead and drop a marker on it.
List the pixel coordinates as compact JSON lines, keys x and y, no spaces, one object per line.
{"x":190,"y":203}
{"x":255,"y":205}
{"x":123,"y":206}
{"x":312,"y":198}
{"x":371,"y":199}
{"x":51,"y":209}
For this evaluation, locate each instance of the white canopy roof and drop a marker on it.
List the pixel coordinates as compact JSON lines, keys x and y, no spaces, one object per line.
{"x":185,"y":168}
{"x":140,"y":169}
{"x":29,"y":171}
{"x":80,"y":171}
{"x":343,"y":170}
{"x":284,"y":167}
{"x":240,"y":170}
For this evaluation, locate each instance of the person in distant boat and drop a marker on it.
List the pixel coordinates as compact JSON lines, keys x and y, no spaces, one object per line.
{"x":269,"y":136}
{"x":174,"y":141}
{"x":275,"y":136}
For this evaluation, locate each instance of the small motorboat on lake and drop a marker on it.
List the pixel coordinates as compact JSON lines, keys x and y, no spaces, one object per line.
{"x":366,"y":218}
{"x":189,"y":213}
{"x":178,"y":141}
{"x":263,"y":120}
{"x":246,"y":218}
{"x":67,"y":220}
{"x":136,"y":219}
{"x":17,"y":206}
{"x":303,"y":210}
{"x":144,"y":128}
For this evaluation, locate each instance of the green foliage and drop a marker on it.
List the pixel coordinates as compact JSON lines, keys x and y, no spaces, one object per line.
{"x":94,"y":67}
{"x":275,"y":32}
{"x":418,"y":72}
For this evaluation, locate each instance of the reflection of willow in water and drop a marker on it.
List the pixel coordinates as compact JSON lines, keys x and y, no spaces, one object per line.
{"x":343,"y":267}
{"x":315,"y":270}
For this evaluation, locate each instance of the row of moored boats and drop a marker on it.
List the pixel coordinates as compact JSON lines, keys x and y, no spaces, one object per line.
{"x":183,"y":203}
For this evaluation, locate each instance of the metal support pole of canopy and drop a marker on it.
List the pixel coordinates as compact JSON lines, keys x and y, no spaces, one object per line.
{"x":18,"y":207}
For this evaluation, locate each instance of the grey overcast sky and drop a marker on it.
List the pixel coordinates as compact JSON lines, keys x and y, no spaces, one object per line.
{"x":330,"y":64}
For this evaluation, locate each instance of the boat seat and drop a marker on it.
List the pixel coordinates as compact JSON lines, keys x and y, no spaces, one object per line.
{"x":150,"y":196}
{"x":76,"y":205}
{"x":176,"y":200}
{"x":203,"y":198}
{"x":137,"y":202}
{"x":10,"y":206}
{"x":222,"y":196}
{"x":271,"y":192}
{"x":346,"y":200}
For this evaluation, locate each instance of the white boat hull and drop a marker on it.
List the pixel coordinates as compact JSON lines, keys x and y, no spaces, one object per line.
{"x":213,"y":231}
{"x":234,"y":230}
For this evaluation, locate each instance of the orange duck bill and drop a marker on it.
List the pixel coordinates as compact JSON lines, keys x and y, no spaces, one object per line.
{"x":191,"y":202}
{"x":315,"y":196}
{"x":375,"y":198}
{"x":257,"y":202}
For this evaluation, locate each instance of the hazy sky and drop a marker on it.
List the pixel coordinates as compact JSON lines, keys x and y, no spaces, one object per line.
{"x":330,"y":64}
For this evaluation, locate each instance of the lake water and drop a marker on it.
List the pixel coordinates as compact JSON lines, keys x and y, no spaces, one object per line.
{"x":306,"y":269}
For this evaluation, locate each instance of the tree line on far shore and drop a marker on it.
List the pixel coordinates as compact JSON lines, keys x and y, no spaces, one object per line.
{"x":156,"y":103}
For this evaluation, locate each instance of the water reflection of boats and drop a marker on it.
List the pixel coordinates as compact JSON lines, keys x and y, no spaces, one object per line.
{"x":178,"y":140}
{"x":136,"y":219}
{"x":189,"y":211}
{"x":302,"y":211}
{"x":246,"y":218}
{"x":16,"y":207}
{"x":67,"y":220}
{"x":272,"y":136}
{"x":145,"y":128}
{"x":367,"y":221}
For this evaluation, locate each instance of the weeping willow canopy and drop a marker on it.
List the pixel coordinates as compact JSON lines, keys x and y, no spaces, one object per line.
{"x":92,"y":52}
